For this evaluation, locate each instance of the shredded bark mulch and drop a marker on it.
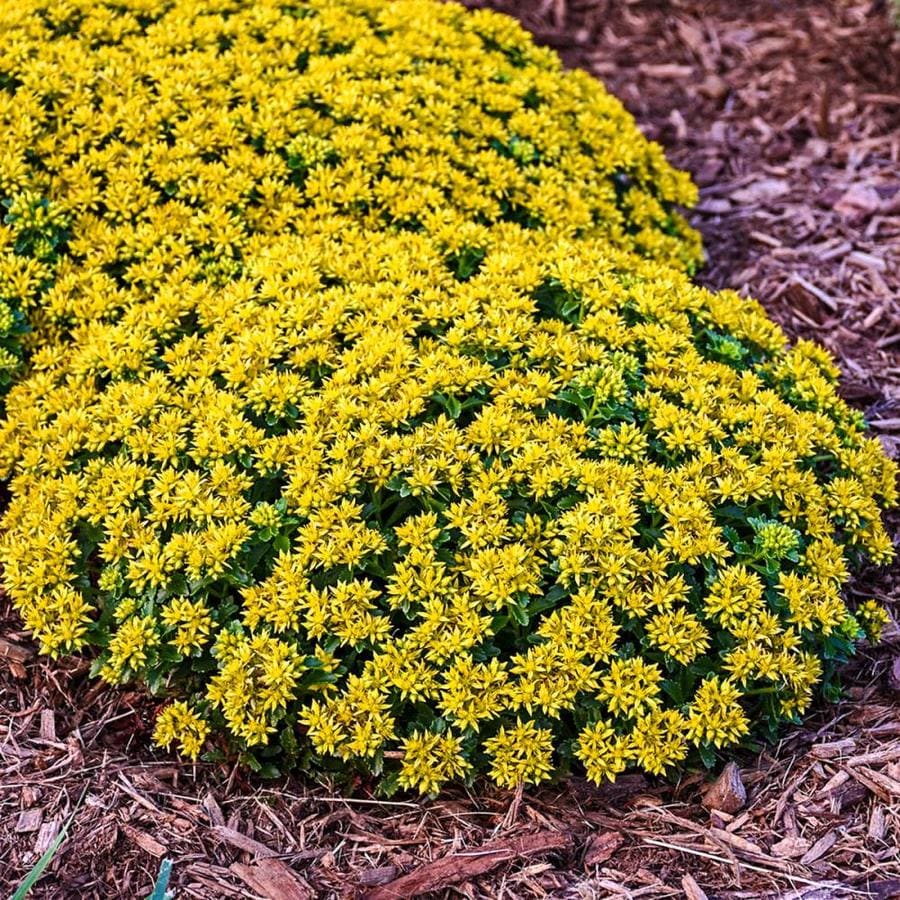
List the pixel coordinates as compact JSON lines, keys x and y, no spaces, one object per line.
{"x":788,"y":116}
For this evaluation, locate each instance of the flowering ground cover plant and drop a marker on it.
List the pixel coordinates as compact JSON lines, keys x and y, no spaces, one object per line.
{"x":145,"y":132}
{"x":391,"y":435}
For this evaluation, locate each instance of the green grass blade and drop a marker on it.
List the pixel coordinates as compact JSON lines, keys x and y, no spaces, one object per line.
{"x":34,"y":875}
{"x":32,"y":878}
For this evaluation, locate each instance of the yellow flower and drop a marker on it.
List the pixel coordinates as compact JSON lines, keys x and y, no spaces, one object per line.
{"x":603,"y":753}
{"x":520,"y":754}
{"x":256,"y":679}
{"x":192,"y":621}
{"x":631,"y":687}
{"x":658,"y":740}
{"x":873,"y":617}
{"x":716,"y":715}
{"x":430,"y":760}
{"x":474,"y":692}
{"x":678,"y":634}
{"x":129,"y":646}
{"x":178,"y":723}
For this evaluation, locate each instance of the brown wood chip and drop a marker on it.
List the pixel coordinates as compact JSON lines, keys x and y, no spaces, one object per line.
{"x":790,"y":847}
{"x":46,"y":836}
{"x":48,"y":725}
{"x":14,"y":653}
{"x":894,"y":676}
{"x":274,"y":880}
{"x":457,"y":867}
{"x":819,"y":848}
{"x":380,"y":875}
{"x":666,"y":70}
{"x":831,"y":749}
{"x":29,"y":820}
{"x":727,"y":793}
{"x":146,"y":842}
{"x":601,"y":847}
{"x":879,"y":783}
{"x":736,"y":842}
{"x":242,"y":842}
{"x":213,"y":810}
{"x":877,"y":824}
{"x":692,"y":890}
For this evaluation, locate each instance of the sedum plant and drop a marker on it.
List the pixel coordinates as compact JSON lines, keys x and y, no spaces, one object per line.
{"x":393,"y":437}
{"x":145,"y":132}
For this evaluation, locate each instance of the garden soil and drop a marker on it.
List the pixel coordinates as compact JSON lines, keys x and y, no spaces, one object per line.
{"x":788,"y":116}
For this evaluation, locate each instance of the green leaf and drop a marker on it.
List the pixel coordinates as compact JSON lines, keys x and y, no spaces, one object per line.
{"x":548,"y":601}
{"x":388,"y":785}
{"x":674,"y":691}
{"x":251,"y":762}
{"x":708,"y":755}
{"x":518,"y":613}
{"x":448,"y":403}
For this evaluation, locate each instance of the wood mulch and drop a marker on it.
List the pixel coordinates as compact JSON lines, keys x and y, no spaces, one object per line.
{"x":787,"y":114}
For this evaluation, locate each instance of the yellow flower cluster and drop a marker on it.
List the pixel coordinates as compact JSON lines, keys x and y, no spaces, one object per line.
{"x":177,"y":723}
{"x":256,"y":678}
{"x":430,"y":760}
{"x":148,"y":131}
{"x":370,"y":409}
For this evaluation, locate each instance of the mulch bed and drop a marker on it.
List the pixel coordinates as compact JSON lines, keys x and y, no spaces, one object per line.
{"x":787,"y":114}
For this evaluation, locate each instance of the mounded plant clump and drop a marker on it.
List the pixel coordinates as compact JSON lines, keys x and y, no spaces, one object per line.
{"x":143,"y":136}
{"x":392,"y":436}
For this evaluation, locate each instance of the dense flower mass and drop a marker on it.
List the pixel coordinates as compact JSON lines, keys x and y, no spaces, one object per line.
{"x":151,"y":131}
{"x":370,"y":409}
